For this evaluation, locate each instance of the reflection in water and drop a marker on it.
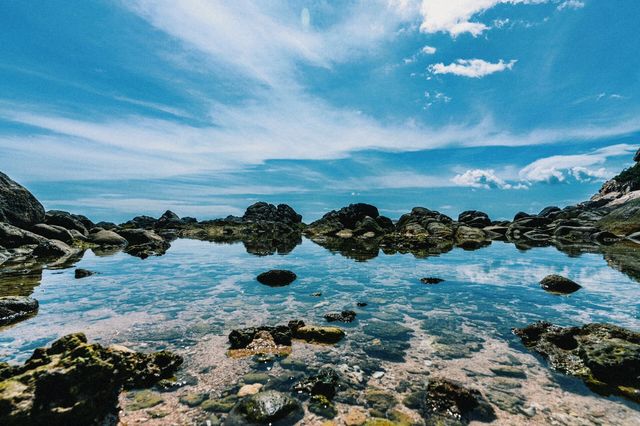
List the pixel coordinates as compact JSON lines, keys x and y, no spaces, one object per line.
{"x":190,"y":298}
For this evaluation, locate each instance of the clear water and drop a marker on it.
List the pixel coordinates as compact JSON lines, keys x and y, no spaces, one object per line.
{"x":201,"y":289}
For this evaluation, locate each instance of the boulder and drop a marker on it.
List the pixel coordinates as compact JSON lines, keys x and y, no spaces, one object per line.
{"x":636,"y":157}
{"x":431,"y":280}
{"x":76,"y":383}
{"x":262,"y":211}
{"x":18,"y":206}
{"x":559,"y":284}
{"x":16,"y":308}
{"x":447,"y":402}
{"x":241,"y":338}
{"x":144,"y":222}
{"x":143,"y":243}
{"x":68,"y":221}
{"x":82,"y":273}
{"x":13,"y":237}
{"x":605,"y":356}
{"x":345,"y":218}
{"x":325,"y":382}
{"x":53,"y":232}
{"x":103,"y":237}
{"x":319,"y":334}
{"x":268,"y":408}
{"x":51,"y":249}
{"x":550,"y":212}
{"x":276,"y":278}
{"x":344,"y":316}
{"x":474,"y":219}
{"x":169,"y":220}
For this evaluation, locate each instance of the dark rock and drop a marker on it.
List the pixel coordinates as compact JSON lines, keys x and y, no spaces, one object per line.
{"x":326,"y":383}
{"x":262,"y":211}
{"x":269,"y":407}
{"x":144,"y":243}
{"x":345,"y":218}
{"x":18,"y":206}
{"x":50,"y":249}
{"x":447,"y":402}
{"x":76,"y":383}
{"x":105,"y":225}
{"x":105,"y":237}
{"x":623,"y":220}
{"x":474,"y":219}
{"x":241,"y":338}
{"x":549,"y":212}
{"x":431,"y":280}
{"x":169,"y":220}
{"x":521,"y":215}
{"x":559,"y":284}
{"x":16,"y":308}
{"x":322,"y":406}
{"x":276,"y":278}
{"x":344,"y":316}
{"x":636,"y":157}
{"x":606,"y":357}
{"x":68,"y":221}
{"x":82,"y":273}
{"x":53,"y":232}
{"x":14,"y":237}
{"x":361,"y":304}
{"x":144,"y":222}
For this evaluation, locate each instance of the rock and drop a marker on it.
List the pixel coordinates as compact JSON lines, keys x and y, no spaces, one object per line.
{"x":269,"y":407}
{"x":379,"y":401}
{"x":361,"y":304}
{"x":53,"y":232}
{"x":68,"y":221}
{"x":169,"y":220}
{"x":606,"y":357}
{"x":356,"y":416}
{"x":468,"y":237}
{"x":323,"y":407}
{"x":53,"y":249}
{"x":636,"y":157}
{"x":344,"y":316}
{"x":241,"y":338}
{"x":16,"y":308}
{"x":431,"y":280}
{"x":474,"y":219}
{"x":143,"y":243}
{"x":521,"y":215}
{"x":319,"y":334}
{"x":103,"y":237}
{"x":559,"y":284}
{"x":247,"y":390}
{"x":145,"y":399}
{"x":262,"y":211}
{"x":73,"y":382}
{"x":447,"y":402}
{"x":325,"y":383}
{"x":550,"y":212}
{"x":345,"y":218}
{"x":82,"y":273}
{"x":193,"y":399}
{"x":18,"y":206}
{"x":276,"y":278}
{"x":222,"y":405}
{"x":14,"y":237}
{"x":144,"y":222}
{"x":623,"y":220}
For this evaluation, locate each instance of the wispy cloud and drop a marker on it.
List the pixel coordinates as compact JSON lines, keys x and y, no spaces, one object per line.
{"x":571,"y":4}
{"x":472,"y":68}
{"x":484,"y":178}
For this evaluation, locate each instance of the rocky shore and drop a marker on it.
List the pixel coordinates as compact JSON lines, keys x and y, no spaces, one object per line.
{"x":75,"y":382}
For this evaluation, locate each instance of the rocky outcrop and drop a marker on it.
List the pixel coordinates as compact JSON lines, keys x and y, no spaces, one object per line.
{"x":355,"y":220}
{"x":16,"y":308}
{"x":69,"y":221}
{"x":18,"y":206}
{"x":606,"y":357}
{"x":104,"y":237}
{"x":74,"y":382}
{"x":143,"y":243}
{"x":344,"y":316}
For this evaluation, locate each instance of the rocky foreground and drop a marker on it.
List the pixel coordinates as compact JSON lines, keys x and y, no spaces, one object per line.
{"x":74,"y":382}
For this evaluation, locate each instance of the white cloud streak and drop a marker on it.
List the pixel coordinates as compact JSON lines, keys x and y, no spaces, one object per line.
{"x":472,"y":68}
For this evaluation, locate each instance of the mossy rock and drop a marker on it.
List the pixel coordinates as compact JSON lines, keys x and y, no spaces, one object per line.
{"x":221,"y":405}
{"x":319,"y":334}
{"x":322,"y":406}
{"x":269,"y":407}
{"x":193,"y":399}
{"x":145,"y":399}
{"x":379,"y":400}
{"x":251,"y":378}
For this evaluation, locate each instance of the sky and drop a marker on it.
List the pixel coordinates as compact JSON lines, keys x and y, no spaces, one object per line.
{"x":114,"y":108}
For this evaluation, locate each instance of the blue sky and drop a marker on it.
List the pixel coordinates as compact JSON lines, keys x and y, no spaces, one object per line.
{"x":114,"y":108}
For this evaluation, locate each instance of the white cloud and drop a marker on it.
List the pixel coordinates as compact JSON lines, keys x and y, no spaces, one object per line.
{"x":472,"y":68}
{"x":571,"y":4}
{"x":558,"y":168}
{"x":483,"y":178}
{"x":455,"y":16}
{"x":429,"y":50}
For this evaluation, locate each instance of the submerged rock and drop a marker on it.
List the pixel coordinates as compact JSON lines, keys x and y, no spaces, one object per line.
{"x":449,"y":403}
{"x":82,"y":273}
{"x":605,"y":356}
{"x":16,"y":308}
{"x":325,"y":382}
{"x":269,"y":407}
{"x":431,"y":280}
{"x":559,"y":284}
{"x":319,"y":334}
{"x":76,"y":383}
{"x":344,"y":316}
{"x":276,"y":278}
{"x":18,"y":206}
{"x":143,"y":243}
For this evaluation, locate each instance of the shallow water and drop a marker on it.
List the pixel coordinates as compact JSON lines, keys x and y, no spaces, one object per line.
{"x":189,"y":299}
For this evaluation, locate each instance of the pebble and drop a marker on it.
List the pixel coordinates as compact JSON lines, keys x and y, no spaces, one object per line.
{"x":247,"y":390}
{"x":378,"y":374}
